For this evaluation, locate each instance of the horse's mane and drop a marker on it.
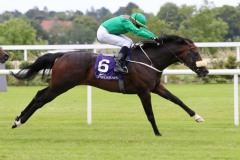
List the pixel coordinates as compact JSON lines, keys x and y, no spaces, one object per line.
{"x":166,"y":39}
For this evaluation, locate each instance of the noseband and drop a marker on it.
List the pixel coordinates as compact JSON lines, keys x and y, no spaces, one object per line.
{"x":195,"y":65}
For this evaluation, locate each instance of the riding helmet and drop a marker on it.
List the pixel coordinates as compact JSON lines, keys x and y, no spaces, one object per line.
{"x":140,"y":19}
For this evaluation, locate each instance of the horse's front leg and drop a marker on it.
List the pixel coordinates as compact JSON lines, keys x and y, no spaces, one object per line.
{"x":163,"y":92}
{"x":147,"y":105}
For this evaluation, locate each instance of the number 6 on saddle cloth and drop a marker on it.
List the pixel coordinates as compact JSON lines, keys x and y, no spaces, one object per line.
{"x":104,"y":68}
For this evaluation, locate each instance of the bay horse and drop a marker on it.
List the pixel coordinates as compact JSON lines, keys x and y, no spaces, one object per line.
{"x":3,"y":55}
{"x":145,"y":69}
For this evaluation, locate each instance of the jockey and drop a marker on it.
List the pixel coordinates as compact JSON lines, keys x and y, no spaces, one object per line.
{"x":112,"y":30}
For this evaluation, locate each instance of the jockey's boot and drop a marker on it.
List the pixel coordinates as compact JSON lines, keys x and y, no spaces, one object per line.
{"x":120,"y":61}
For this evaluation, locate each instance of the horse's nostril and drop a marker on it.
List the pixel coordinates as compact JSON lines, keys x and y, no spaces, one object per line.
{"x":203,"y":73}
{"x":6,"y":56}
{"x":206,"y":72}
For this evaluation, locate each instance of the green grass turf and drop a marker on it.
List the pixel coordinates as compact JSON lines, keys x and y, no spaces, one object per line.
{"x":120,"y":130}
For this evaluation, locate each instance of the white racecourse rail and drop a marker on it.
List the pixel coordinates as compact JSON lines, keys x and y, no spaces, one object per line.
{"x":234,"y":72}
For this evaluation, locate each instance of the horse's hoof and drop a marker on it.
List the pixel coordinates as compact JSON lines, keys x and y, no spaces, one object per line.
{"x":14,"y":126}
{"x":16,"y":123}
{"x":158,"y":134}
{"x":198,"y":118}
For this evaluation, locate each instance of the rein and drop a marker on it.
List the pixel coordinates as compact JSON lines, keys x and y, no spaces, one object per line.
{"x":181,"y":61}
{"x":147,"y":65}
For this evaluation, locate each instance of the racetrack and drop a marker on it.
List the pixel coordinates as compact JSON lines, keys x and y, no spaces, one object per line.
{"x":120,"y":130}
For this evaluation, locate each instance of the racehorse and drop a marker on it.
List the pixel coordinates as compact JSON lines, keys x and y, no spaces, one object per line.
{"x":3,"y":56}
{"x":145,"y":66}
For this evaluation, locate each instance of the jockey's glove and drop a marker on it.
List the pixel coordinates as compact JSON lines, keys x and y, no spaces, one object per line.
{"x":156,"y":39}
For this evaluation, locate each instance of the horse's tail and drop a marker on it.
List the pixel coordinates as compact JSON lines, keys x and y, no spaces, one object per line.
{"x":42,"y":63}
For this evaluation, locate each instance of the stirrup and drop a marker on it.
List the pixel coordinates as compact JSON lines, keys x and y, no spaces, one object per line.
{"x":125,"y":70}
{"x":122,"y":70}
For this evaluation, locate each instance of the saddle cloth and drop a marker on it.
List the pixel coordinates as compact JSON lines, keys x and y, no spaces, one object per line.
{"x":104,"y":68}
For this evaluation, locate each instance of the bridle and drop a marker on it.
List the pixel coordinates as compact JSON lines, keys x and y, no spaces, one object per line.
{"x":194,"y":63}
{"x":193,"y":55}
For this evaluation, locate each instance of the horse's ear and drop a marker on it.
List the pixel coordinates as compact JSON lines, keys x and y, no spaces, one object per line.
{"x":191,"y":45}
{"x":188,"y":43}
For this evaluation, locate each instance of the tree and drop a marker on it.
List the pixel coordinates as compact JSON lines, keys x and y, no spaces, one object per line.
{"x":75,"y":15}
{"x":18,"y":32}
{"x":101,"y":14}
{"x":231,"y":16}
{"x":58,"y":34}
{"x":84,"y":30}
{"x":174,"y":15}
{"x":41,"y":34}
{"x":171,"y":8}
{"x":9,"y":15}
{"x":126,"y":10}
{"x":35,"y":13}
{"x":184,"y":12}
{"x":204,"y":26}
{"x":61,"y":16}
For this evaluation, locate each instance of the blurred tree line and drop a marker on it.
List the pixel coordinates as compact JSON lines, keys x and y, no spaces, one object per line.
{"x":204,"y":24}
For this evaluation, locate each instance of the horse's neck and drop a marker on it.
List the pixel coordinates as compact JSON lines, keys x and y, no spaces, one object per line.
{"x":159,"y":57}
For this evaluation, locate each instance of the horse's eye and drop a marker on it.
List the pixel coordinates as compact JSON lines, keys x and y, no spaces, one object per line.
{"x":195,"y":53}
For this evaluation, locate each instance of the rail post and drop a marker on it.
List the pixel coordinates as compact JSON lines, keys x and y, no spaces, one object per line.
{"x":236,"y":112}
{"x":3,"y":80}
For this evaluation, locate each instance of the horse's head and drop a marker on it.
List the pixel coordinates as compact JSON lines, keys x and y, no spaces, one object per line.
{"x":193,"y":59}
{"x":185,"y":51}
{"x":3,"y":56}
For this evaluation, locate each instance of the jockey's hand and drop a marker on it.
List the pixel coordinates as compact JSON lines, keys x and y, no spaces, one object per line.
{"x":156,"y":39}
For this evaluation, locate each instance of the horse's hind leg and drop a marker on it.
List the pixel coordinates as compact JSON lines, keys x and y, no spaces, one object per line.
{"x":163,"y":92}
{"x":39,"y":93}
{"x":147,"y":105}
{"x":18,"y":120}
{"x":42,"y":97}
